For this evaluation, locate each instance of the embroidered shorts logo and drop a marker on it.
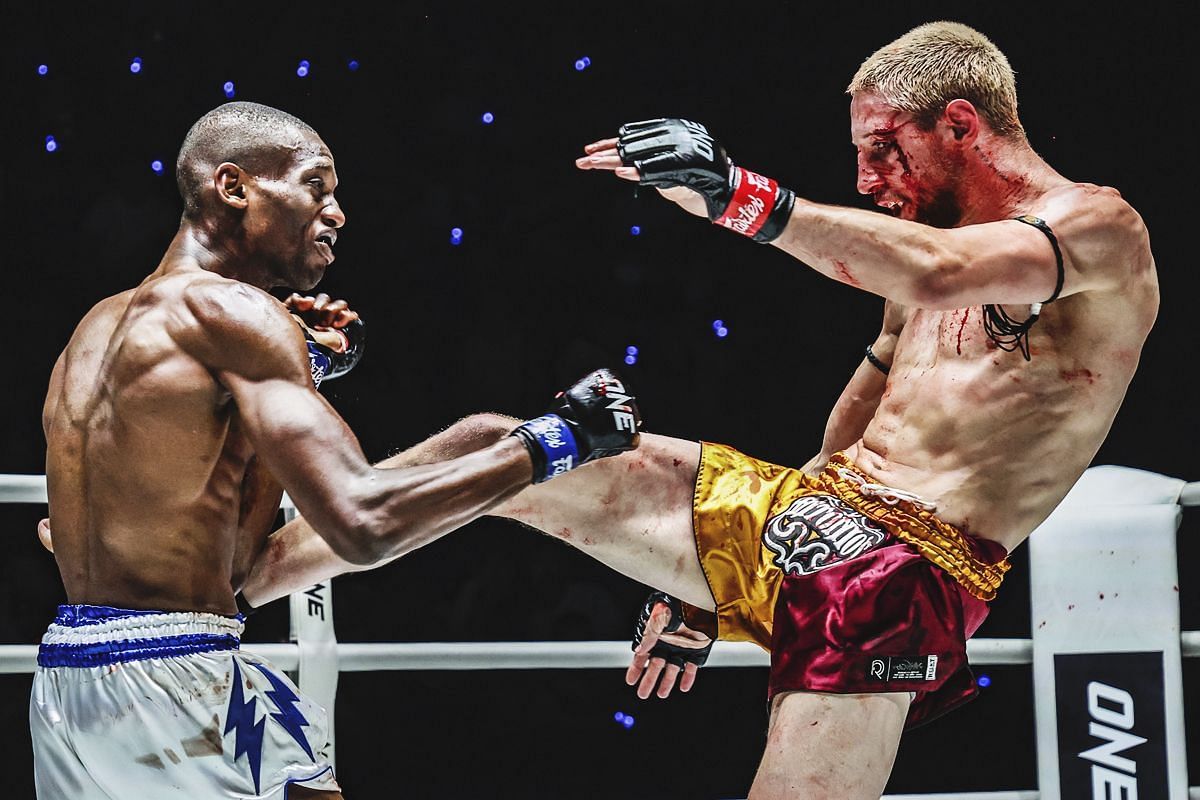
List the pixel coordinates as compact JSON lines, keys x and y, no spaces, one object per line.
{"x":819,"y":531}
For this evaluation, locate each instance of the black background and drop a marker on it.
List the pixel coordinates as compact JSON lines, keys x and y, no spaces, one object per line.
{"x":547,"y":284}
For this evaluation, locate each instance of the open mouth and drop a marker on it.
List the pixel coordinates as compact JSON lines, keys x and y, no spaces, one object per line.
{"x":893,"y":207}
{"x":325,"y":244}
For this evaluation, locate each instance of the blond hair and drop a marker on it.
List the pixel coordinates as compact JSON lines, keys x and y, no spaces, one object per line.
{"x":926,"y":68}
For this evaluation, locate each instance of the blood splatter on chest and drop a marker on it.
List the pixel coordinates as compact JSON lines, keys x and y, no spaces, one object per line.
{"x":959,"y":332}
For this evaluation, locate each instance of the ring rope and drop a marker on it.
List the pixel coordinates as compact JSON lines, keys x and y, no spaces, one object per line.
{"x":384,"y":656}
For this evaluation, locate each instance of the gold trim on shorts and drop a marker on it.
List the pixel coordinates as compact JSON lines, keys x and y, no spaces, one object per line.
{"x":940,"y":542}
{"x":735,"y":497}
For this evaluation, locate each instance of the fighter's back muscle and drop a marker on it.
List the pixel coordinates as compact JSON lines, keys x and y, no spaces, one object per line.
{"x":144,"y":460}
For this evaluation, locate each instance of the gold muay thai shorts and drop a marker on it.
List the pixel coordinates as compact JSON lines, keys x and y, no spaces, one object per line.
{"x":756,"y":522}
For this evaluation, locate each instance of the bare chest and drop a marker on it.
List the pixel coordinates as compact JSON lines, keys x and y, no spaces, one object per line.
{"x":959,"y":334}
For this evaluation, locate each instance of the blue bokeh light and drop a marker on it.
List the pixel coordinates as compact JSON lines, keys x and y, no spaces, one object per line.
{"x":582,"y":63}
{"x":352,"y":65}
{"x":228,"y":87}
{"x":984,"y":681}
{"x":157,"y":166}
{"x":631,"y":350}
{"x":627,"y":722}
{"x":302,"y":71}
{"x":635,"y":230}
{"x":619,"y":716}
{"x":456,"y":236}
{"x":135,"y":66}
{"x":631,"y":360}
{"x":488,"y":118}
{"x":43,"y":69}
{"x":722,"y":333}
{"x":51,"y":145}
{"x":718,"y":323}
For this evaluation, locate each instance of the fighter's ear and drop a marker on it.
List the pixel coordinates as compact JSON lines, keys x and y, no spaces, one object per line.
{"x":962,"y":120}
{"x":230,"y":182}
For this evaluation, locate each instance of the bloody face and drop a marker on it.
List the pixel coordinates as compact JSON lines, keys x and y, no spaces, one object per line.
{"x":906,"y":167}
{"x":292,"y":221}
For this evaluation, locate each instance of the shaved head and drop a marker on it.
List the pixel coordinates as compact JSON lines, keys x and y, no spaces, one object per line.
{"x":258,"y":138}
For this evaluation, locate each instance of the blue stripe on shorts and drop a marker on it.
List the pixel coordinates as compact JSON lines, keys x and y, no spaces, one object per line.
{"x":99,"y":654}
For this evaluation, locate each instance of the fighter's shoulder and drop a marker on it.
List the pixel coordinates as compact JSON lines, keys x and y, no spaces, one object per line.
{"x":1096,"y":227}
{"x":104,"y":314}
{"x":226,"y":322}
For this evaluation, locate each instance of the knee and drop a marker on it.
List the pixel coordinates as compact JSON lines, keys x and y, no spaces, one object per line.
{"x":485,"y":426}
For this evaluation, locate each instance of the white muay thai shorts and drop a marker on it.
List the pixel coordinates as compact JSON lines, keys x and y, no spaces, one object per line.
{"x":149,"y":705}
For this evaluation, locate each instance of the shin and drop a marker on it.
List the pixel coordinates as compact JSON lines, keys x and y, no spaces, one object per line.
{"x":632,"y":512}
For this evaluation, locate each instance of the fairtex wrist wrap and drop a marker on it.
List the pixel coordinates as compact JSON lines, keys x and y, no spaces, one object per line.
{"x":759,"y":208}
{"x":326,"y":364}
{"x":551,"y":446}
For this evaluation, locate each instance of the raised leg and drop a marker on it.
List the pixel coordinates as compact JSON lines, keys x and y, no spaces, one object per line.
{"x":830,"y":746}
{"x":632,"y":512}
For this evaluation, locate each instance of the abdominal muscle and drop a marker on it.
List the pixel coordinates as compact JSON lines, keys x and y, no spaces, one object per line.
{"x":993,"y":441}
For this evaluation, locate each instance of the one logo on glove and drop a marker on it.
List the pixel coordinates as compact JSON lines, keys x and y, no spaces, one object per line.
{"x":614,"y":391}
{"x":818,"y":531}
{"x":701,"y":140}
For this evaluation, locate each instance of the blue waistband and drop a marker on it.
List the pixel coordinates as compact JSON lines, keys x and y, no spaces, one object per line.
{"x":103,"y":653}
{"x":76,"y":616}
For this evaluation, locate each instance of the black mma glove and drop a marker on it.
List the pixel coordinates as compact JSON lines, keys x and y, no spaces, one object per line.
{"x":595,"y":418}
{"x":327,"y":364}
{"x":671,"y":653}
{"x":679,"y":152}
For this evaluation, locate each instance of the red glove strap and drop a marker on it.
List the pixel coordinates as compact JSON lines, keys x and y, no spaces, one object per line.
{"x":752,"y":202}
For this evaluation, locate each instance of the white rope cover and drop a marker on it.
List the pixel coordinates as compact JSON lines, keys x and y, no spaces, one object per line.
{"x":399,"y":656}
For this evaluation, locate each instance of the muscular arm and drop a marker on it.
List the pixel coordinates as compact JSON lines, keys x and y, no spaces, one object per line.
{"x":296,"y":556}
{"x":1102,"y":238}
{"x":365,"y":514}
{"x":993,"y":262}
{"x":860,"y":399}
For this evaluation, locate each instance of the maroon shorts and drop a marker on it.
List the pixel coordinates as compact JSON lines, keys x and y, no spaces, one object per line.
{"x":852,"y":591}
{"x":887,"y":620}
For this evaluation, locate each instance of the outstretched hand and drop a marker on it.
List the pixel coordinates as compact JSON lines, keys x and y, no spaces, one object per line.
{"x":648,"y":669}
{"x":603,"y":155}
